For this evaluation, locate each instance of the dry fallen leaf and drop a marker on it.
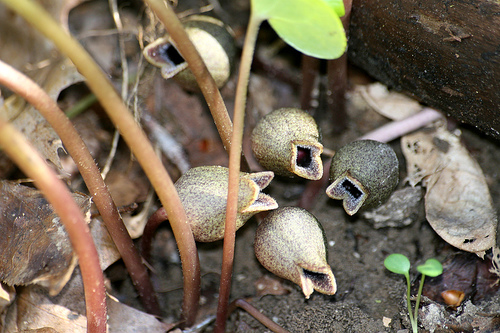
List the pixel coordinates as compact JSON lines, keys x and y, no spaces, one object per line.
{"x":390,"y":104}
{"x":458,"y":204}
{"x":35,"y":310}
{"x":35,"y":245}
{"x":30,"y":122}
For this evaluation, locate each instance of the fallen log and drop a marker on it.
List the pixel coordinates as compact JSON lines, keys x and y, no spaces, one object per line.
{"x":444,"y":53}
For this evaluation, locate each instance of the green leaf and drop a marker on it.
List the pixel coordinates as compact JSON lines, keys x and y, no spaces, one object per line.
{"x":432,"y":268}
{"x":311,"y":26}
{"x":337,"y":6}
{"x":397,"y":263}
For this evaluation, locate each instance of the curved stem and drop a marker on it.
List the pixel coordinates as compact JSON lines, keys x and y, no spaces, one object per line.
{"x":36,"y":96}
{"x":135,"y":139}
{"x":152,"y":225}
{"x":58,"y":195}
{"x":241,"y":303}
{"x":234,"y":171}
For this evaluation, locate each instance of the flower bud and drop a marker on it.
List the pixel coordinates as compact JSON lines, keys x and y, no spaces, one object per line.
{"x":286,"y":141}
{"x":203,"y":193}
{"x":363,"y":173}
{"x":291,"y":243}
{"x":213,"y":40}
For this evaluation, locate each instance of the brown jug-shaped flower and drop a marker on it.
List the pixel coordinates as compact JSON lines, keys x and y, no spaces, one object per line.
{"x":287,"y":141}
{"x":290,"y":242}
{"x":203,"y":193}
{"x":211,"y":38}
{"x":363,"y":173}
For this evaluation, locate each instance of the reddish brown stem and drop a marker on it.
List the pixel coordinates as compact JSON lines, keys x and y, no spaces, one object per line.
{"x":335,"y":95}
{"x":234,"y":172}
{"x":153,"y":223}
{"x":29,"y":90}
{"x":264,"y":320}
{"x":310,"y":71}
{"x":33,"y":165}
{"x":337,"y":81}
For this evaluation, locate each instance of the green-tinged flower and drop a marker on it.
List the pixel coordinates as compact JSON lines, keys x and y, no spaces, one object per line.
{"x":287,"y":141}
{"x":213,"y":40}
{"x":291,"y":243}
{"x":363,"y":173}
{"x":203,"y":193}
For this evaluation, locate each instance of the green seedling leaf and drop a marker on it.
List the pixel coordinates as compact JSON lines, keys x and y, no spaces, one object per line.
{"x":431,"y":267}
{"x":397,"y":263}
{"x":313,"y":27}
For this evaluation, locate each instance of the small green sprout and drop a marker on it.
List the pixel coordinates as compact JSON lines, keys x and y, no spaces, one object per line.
{"x":399,"y":264}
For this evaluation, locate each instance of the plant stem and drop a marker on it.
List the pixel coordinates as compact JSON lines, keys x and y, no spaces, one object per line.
{"x":241,"y":303}
{"x":80,"y":106}
{"x":408,"y":303}
{"x":136,"y":140}
{"x":310,"y":71}
{"x":420,"y":287}
{"x":153,"y":223}
{"x":36,"y":96}
{"x":234,"y":171}
{"x":337,"y":80}
{"x":34,"y":166}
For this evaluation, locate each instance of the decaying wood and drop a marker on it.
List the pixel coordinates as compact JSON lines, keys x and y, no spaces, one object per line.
{"x":445,"y":53}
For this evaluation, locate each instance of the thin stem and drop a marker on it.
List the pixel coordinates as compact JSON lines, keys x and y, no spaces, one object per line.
{"x":337,"y":80}
{"x":58,"y":195}
{"x":310,"y":72}
{"x":152,"y":225}
{"x":36,"y":96}
{"x":408,"y":303}
{"x":234,"y":171}
{"x":241,"y":303}
{"x":80,"y":106}
{"x":420,"y":287}
{"x":136,"y":140}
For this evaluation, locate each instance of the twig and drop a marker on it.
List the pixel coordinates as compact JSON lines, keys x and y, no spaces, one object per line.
{"x":396,"y":129}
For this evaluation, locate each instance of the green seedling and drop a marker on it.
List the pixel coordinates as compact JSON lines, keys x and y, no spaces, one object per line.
{"x":399,"y":264}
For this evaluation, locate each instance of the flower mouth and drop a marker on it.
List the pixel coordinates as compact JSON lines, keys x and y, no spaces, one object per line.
{"x":163,"y":54}
{"x":350,"y":190}
{"x":261,"y":202}
{"x":321,"y":280}
{"x":306,"y":160}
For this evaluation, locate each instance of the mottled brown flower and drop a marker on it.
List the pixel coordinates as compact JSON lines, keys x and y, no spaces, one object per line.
{"x":287,"y":141}
{"x":364,"y":174}
{"x":291,"y":243}
{"x":203,"y":193}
